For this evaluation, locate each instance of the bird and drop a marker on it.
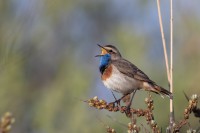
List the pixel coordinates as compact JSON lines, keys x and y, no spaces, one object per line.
{"x":122,"y":76}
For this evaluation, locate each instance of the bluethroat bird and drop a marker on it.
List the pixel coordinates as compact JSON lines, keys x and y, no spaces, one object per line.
{"x":120,"y":75}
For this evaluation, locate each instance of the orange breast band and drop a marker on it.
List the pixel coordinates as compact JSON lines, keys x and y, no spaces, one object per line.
{"x":107,"y":73}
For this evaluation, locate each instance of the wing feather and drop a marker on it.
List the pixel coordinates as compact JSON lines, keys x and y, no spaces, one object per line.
{"x":131,"y":70}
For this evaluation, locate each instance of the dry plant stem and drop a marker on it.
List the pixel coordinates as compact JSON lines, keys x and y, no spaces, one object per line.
{"x":163,"y":40}
{"x":188,"y":110}
{"x":108,"y":128}
{"x":145,"y":129}
{"x":6,"y":122}
{"x":147,"y":113}
{"x":169,"y":72}
{"x":171,"y":63}
{"x":132,"y":127}
{"x":112,"y":107}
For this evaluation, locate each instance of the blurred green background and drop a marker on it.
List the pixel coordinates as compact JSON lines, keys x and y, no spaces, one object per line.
{"x":47,"y":63}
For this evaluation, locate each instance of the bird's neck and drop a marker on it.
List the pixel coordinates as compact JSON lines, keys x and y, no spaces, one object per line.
{"x":104,"y":62}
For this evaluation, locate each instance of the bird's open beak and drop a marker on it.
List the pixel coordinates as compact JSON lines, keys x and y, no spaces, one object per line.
{"x":98,"y":55}
{"x":100,"y":46}
{"x":103,"y":51}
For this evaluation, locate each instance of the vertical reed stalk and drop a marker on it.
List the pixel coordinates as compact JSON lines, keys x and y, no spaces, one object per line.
{"x":169,"y":71}
{"x":171,"y":63}
{"x":163,"y":40}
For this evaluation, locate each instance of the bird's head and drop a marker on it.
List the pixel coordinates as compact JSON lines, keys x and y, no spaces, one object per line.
{"x":111,"y":50}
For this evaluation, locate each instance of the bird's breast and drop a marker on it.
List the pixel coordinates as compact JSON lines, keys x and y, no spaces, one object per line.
{"x":115,"y":80}
{"x":107,"y":73}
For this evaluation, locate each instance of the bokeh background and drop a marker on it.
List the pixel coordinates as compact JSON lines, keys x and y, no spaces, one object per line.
{"x":47,"y":63}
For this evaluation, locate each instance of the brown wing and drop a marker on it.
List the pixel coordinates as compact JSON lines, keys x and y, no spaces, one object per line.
{"x":131,"y":70}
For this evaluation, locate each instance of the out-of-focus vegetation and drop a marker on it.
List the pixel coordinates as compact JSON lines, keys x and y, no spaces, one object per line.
{"x":47,"y":62}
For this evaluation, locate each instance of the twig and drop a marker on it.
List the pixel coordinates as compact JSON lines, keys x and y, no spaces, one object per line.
{"x":108,"y":128}
{"x":6,"y":122}
{"x":196,"y":110}
{"x":132,"y":127}
{"x":188,"y":110}
{"x":145,"y":129}
{"x":186,"y":96}
{"x":112,"y":107}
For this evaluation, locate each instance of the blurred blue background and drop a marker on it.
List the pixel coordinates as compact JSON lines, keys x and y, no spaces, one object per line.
{"x":47,"y":63}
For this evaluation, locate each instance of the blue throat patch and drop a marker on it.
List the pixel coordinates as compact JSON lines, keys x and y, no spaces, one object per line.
{"x":104,"y":61}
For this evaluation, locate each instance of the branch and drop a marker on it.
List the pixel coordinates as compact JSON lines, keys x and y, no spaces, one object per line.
{"x":112,"y":107}
{"x":192,"y":105}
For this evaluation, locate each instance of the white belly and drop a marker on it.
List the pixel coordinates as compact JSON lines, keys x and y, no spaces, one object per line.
{"x":120,"y":83}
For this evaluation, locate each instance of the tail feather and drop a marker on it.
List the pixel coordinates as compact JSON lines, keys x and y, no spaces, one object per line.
{"x":157,"y":89}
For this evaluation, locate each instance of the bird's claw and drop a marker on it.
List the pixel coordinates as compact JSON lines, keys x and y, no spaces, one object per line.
{"x":116,"y":102}
{"x":128,"y":111}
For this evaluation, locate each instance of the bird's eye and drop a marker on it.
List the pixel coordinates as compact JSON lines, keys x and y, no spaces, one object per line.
{"x":110,"y":51}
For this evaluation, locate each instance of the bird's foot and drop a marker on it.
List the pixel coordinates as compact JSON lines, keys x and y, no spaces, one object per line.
{"x":116,"y":102}
{"x":128,"y":111}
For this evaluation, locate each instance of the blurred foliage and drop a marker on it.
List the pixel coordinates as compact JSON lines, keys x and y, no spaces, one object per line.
{"x":47,"y":63}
